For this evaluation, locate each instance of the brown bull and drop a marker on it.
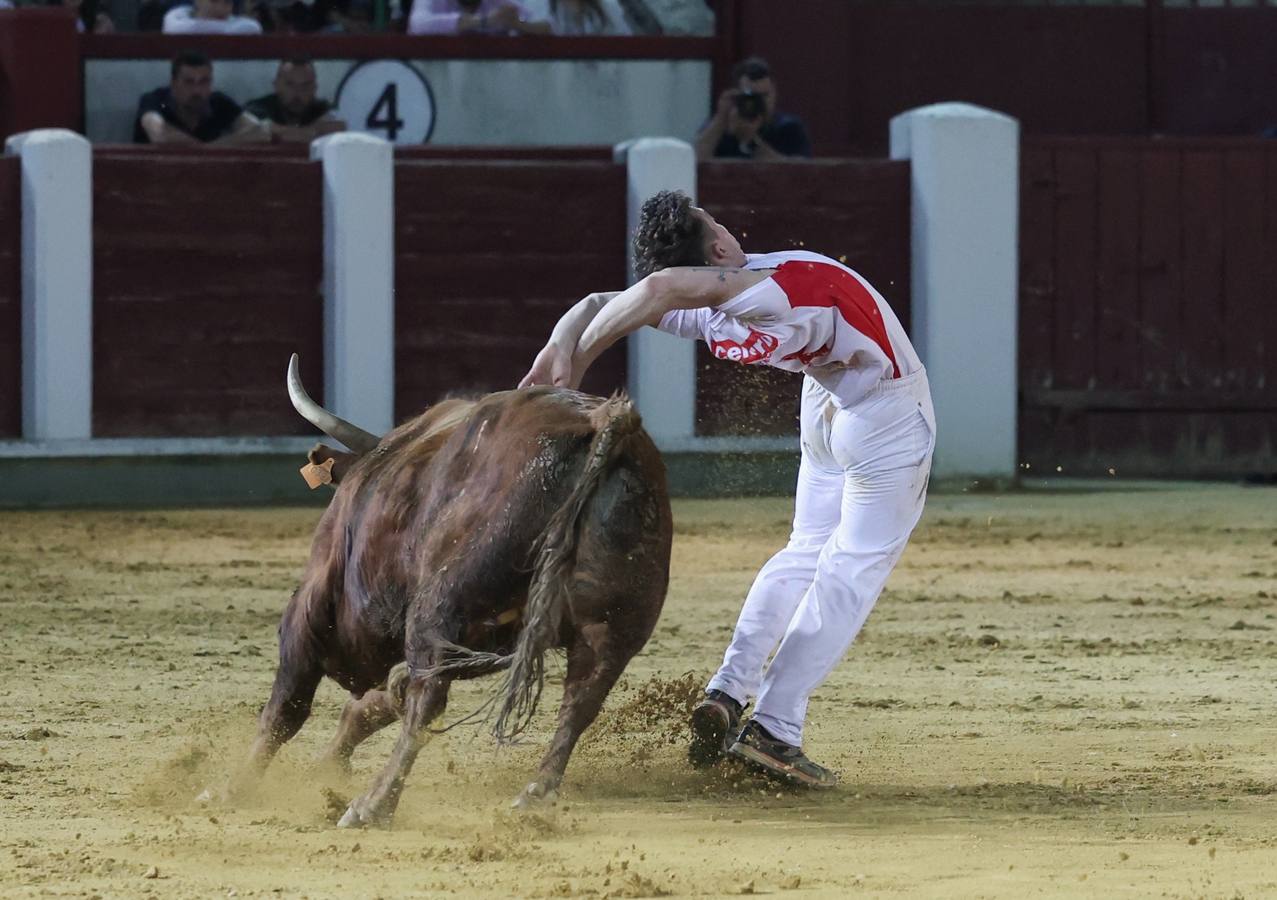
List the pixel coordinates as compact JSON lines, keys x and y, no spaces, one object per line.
{"x":470,"y":540}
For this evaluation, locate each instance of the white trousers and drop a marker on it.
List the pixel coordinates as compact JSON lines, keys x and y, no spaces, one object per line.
{"x":861,"y":486}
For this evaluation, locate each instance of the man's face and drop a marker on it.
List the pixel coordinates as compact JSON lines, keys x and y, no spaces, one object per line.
{"x":212,"y":9}
{"x":763,"y":87}
{"x":295,"y":87}
{"x":191,"y":87}
{"x":721,"y":246}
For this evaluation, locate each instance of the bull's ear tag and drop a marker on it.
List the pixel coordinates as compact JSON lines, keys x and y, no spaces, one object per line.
{"x":316,"y":475}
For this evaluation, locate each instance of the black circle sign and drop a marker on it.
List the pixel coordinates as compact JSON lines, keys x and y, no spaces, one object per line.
{"x":388,"y":98}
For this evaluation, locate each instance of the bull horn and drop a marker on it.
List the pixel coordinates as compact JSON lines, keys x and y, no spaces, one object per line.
{"x":336,"y":428}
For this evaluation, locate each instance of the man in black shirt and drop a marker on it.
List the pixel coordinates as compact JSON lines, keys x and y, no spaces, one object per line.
{"x":293,"y":112}
{"x":189,"y":110}
{"x":745,"y":124}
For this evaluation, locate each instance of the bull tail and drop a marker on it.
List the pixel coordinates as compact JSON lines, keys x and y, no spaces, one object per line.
{"x":554,"y":557}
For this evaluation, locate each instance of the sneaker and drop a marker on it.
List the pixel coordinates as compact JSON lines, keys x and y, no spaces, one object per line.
{"x":715,"y":721}
{"x":757,"y":746}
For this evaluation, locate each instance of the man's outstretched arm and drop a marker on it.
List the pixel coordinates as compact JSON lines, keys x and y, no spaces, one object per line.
{"x":553,"y":364}
{"x":646,"y":302}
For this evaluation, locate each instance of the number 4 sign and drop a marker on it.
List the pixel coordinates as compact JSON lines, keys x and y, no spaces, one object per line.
{"x":388,"y":98}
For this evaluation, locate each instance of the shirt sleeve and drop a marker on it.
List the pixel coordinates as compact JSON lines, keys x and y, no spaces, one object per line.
{"x":426,"y":18}
{"x":684,"y":323}
{"x":149,"y":102}
{"x":762,"y":303}
{"x":243,"y":25}
{"x":260,"y":108}
{"x":178,"y":21}
{"x":225,"y":111}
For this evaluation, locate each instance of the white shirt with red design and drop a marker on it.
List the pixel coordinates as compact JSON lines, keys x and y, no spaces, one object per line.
{"x":813,"y":315}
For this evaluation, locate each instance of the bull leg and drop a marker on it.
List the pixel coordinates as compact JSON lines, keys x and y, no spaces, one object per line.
{"x":424,"y":700}
{"x":282,"y":717}
{"x":360,"y":719}
{"x":594,"y":664}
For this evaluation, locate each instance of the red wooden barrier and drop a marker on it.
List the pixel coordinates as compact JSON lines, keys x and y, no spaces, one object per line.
{"x":1214,"y":68}
{"x":856,"y":211}
{"x":487,"y":257}
{"x":1058,"y":70}
{"x":1147,"y":342}
{"x":10,"y":297}
{"x":39,"y":70}
{"x":207,"y":274}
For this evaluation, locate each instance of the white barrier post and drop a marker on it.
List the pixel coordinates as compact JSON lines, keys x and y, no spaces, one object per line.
{"x":359,"y":282}
{"x":662,"y":368}
{"x":57,"y":283}
{"x":965,"y":163}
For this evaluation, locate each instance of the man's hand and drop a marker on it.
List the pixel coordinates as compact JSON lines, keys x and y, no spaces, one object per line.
{"x":553,"y":365}
{"x":505,"y":17}
{"x":744,"y":130}
{"x":726,"y":103}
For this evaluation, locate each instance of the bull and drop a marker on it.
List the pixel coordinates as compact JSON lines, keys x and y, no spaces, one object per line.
{"x":471,"y":540}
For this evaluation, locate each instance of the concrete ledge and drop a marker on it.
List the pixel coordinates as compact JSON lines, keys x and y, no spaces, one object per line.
{"x":155,"y":447}
{"x":142,"y":482}
{"x":256,"y":478}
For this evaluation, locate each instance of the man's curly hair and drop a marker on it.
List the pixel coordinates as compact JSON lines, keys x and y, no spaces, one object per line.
{"x":669,"y":234}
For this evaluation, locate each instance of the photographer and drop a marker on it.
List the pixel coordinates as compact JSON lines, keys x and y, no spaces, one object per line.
{"x":746,"y":125}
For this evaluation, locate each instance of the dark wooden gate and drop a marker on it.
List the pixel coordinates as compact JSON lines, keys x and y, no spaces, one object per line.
{"x":1148,"y":342}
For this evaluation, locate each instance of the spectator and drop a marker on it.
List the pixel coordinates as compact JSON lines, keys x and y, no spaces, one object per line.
{"x":299,"y":16}
{"x":473,"y":17}
{"x":745,"y":124}
{"x":189,"y":111}
{"x":581,"y":17}
{"x":89,"y":16}
{"x":359,"y":17}
{"x":669,"y":17}
{"x":208,"y":17}
{"x":293,"y":112}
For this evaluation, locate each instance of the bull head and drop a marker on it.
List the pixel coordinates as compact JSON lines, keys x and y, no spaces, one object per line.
{"x":335,"y":427}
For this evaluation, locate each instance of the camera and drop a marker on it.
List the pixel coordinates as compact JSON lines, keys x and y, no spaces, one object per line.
{"x":750,"y":106}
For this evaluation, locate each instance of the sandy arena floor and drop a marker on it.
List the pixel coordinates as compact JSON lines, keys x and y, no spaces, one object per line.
{"x":1060,"y":694}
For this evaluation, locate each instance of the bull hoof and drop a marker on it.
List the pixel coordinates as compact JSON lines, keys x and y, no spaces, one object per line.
{"x":350,"y":819}
{"x":355,"y":817}
{"x":535,"y":796}
{"x":217,"y":796}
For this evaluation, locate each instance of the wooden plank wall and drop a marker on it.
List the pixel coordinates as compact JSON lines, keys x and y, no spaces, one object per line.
{"x":1147,"y":339}
{"x":487,"y":257}
{"x":1214,"y":67}
{"x":207,"y":274}
{"x":10,"y":297}
{"x":855,"y":211}
{"x":1058,"y":70}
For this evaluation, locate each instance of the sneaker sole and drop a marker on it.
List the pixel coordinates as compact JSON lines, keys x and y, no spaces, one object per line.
{"x":710,"y":724}
{"x":776,"y":767}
